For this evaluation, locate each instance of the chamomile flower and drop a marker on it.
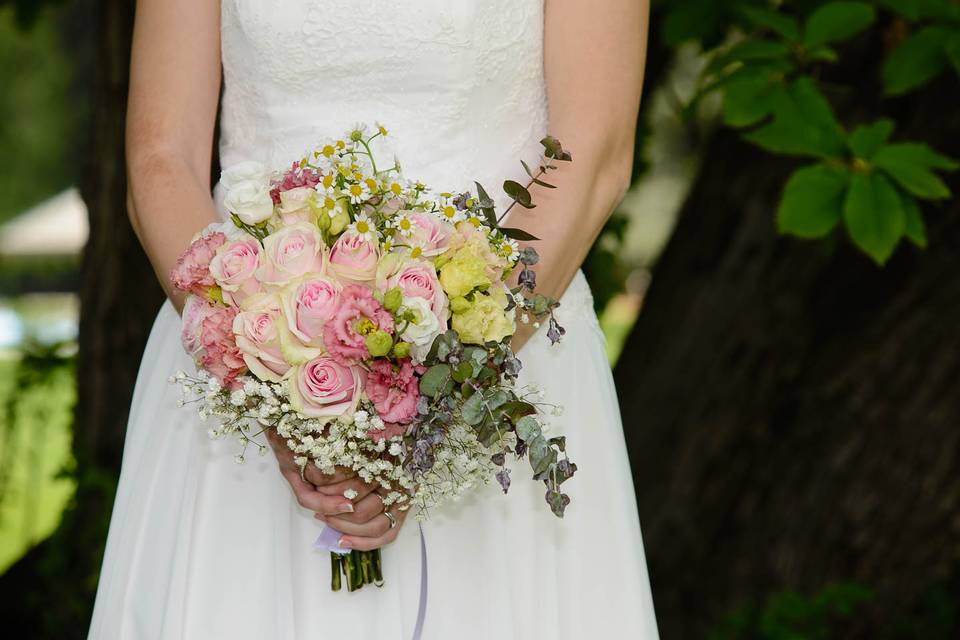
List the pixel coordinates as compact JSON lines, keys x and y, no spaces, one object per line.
{"x":358,"y":192}
{"x":451,"y":214}
{"x":382,"y":129}
{"x":404,"y":225}
{"x":358,"y":132}
{"x":510,"y":249}
{"x":363,"y":226}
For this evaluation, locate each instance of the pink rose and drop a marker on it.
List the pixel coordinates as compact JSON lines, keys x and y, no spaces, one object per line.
{"x":344,"y":335}
{"x":207,"y":336}
{"x":393,"y":390}
{"x":258,"y":337}
{"x":291,"y":252}
{"x":191,"y":274}
{"x":353,"y":258}
{"x":430,"y":233}
{"x":323,"y":388}
{"x":309,"y":305}
{"x":234,"y":268}
{"x":418,"y":279}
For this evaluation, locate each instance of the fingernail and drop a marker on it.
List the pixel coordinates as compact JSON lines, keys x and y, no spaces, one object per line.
{"x":343,"y":543}
{"x":346,"y":507}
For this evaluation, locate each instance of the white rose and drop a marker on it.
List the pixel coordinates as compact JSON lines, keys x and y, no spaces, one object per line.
{"x":248,"y":171}
{"x":252,"y":203}
{"x":248,"y":192}
{"x":423,"y":330}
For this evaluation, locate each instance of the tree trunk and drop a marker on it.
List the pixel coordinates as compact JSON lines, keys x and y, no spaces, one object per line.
{"x":791,"y":410}
{"x":49,"y":592}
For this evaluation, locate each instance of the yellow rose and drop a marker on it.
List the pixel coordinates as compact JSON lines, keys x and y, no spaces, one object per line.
{"x":485,"y":320}
{"x":464,"y":272}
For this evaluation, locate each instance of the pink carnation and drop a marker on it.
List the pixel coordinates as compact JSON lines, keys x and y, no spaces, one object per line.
{"x":344,"y":335}
{"x":393,"y":391}
{"x":293,"y":178}
{"x":192,"y":271}
{"x":207,"y":335}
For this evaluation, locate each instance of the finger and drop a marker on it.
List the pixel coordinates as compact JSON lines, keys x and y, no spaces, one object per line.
{"x":364,"y":510}
{"x":373,"y":528}
{"x":362,"y":489}
{"x":318,"y":478}
{"x":309,"y":498}
{"x":367,"y":543}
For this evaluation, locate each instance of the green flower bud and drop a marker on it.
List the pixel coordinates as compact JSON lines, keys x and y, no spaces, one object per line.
{"x":378,"y":343}
{"x":401,"y":349}
{"x":392,"y":299}
{"x":339,"y":222}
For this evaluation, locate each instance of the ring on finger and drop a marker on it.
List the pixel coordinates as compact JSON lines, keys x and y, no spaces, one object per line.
{"x":392,"y":518}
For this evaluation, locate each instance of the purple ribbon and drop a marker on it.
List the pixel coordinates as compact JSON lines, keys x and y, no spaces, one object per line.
{"x":329,"y":540}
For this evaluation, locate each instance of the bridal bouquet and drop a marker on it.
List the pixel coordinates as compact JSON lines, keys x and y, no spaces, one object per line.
{"x":368,"y":321}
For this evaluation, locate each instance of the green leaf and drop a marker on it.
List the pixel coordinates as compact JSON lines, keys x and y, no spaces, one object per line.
{"x":918,"y":59}
{"x":748,"y":50}
{"x":519,"y":193}
{"x":906,"y":8}
{"x":541,"y":455}
{"x":750,"y":95}
{"x":836,"y":21}
{"x":952,"y":51}
{"x":914,"y":228}
{"x":778,"y":22}
{"x":517,"y":409}
{"x":517,"y":234}
{"x":812,"y":202}
{"x":911,"y":165}
{"x":874,"y":215}
{"x":867,"y":139}
{"x":528,"y":428}
{"x":473,"y":411}
{"x":435,"y":380}
{"x":803,"y":124}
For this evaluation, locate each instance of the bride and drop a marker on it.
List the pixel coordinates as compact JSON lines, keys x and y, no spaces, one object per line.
{"x":200,"y":547}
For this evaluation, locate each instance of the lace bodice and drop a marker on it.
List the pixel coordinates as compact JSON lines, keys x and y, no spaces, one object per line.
{"x":459,"y":83}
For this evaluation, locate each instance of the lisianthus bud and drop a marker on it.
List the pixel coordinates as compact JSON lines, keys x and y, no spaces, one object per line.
{"x":401,"y":350}
{"x":392,"y":299}
{"x":378,"y":343}
{"x":339,"y":222}
{"x":459,"y":304}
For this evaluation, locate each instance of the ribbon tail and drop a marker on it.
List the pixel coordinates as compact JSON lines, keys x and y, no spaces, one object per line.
{"x":329,"y":540}
{"x":422,"y":609}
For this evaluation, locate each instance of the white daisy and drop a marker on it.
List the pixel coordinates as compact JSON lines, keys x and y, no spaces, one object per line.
{"x":363,"y":226}
{"x":404,"y":225}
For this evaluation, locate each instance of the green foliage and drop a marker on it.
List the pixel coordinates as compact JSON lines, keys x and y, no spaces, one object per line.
{"x":769,"y":75}
{"x":790,"y":616}
{"x":40,"y":118}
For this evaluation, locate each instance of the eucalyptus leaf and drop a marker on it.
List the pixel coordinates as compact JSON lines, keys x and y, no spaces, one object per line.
{"x":436,"y":380}
{"x":519,"y":193}
{"x":473,"y":410}
{"x":528,"y":428}
{"x":517,"y":234}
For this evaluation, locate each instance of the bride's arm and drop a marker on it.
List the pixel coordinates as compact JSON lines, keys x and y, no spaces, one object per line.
{"x":172,"y":108}
{"x":593,"y":63}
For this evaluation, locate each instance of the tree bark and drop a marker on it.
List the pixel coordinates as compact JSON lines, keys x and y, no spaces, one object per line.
{"x":791,"y":410}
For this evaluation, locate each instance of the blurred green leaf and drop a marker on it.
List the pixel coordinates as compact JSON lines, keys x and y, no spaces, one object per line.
{"x":813,"y":200}
{"x":874,"y":215}
{"x":749,"y":50}
{"x":867,"y":139}
{"x":914,"y":228}
{"x":751,"y":94}
{"x":912,"y":165}
{"x":785,"y":25}
{"x":917,"y":60}
{"x":803,"y":124}
{"x":836,"y":21}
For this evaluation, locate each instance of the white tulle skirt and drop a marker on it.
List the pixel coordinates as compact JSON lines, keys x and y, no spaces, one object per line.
{"x":203,"y":548}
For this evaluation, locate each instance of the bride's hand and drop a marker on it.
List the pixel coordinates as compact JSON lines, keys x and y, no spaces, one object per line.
{"x":320,"y":493}
{"x":368,"y":527}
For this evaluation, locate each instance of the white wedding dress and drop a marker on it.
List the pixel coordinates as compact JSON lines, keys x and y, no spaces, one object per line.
{"x":203,"y":548}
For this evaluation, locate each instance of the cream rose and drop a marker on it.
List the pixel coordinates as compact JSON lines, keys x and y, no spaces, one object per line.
{"x":291,"y":252}
{"x":421,"y":333}
{"x":248,"y":192}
